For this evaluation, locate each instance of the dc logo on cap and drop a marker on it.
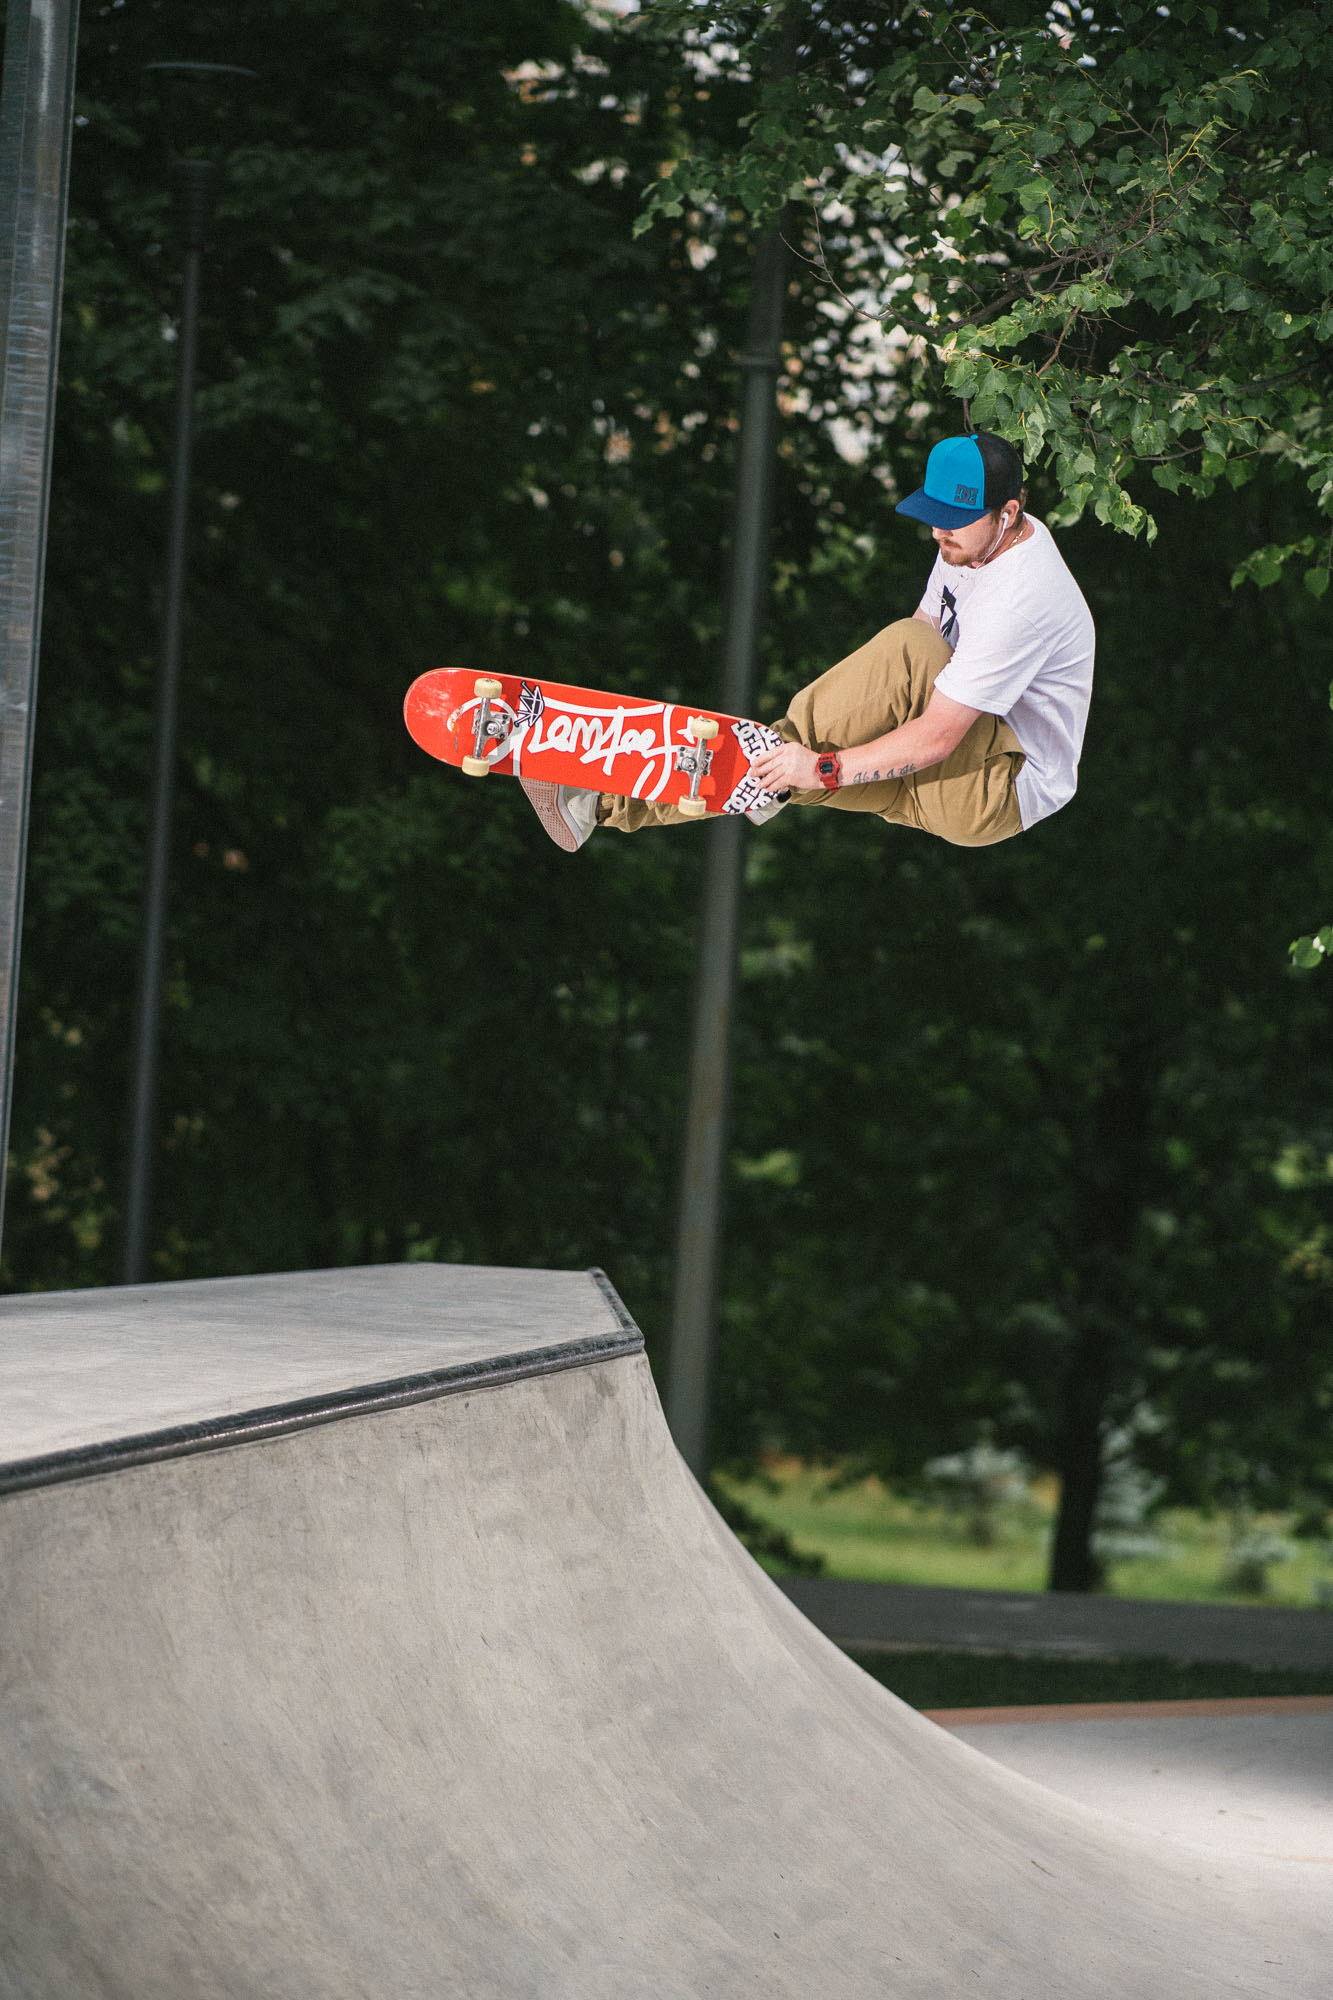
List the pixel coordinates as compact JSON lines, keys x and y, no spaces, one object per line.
{"x":965,"y":496}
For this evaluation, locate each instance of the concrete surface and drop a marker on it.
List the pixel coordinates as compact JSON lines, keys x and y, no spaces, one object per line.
{"x":888,"y":1617}
{"x":1245,"y":1778}
{"x":88,"y":1374}
{"x":475,"y":1698}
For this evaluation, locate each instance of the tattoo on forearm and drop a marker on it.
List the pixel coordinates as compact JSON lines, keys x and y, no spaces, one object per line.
{"x":881,"y":777}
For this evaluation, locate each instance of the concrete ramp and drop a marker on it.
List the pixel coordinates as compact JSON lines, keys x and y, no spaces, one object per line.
{"x":364,"y":1638}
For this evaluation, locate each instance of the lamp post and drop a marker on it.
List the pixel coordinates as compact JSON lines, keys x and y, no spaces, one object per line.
{"x":693,"y":1347}
{"x":193,"y":93}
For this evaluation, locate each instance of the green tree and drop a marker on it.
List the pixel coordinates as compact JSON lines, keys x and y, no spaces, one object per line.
{"x":1108,"y":229}
{"x":1056,"y":1116}
{"x":449,"y":411}
{"x":1001,"y":1117}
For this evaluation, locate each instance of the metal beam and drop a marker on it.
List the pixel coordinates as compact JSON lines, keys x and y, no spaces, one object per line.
{"x":197,"y":182}
{"x":36,"y":120}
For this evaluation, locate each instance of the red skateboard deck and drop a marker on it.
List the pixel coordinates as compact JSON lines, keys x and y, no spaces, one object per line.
{"x":661,"y":751}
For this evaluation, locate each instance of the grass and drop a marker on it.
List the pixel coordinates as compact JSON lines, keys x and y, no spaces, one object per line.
{"x":869,"y":1533}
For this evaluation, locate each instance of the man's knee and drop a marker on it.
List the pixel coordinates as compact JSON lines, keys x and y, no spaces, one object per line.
{"x":903,"y":660}
{"x":918,"y":640}
{"x":882,"y":684}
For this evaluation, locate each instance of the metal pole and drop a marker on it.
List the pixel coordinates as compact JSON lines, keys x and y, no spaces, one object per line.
{"x":703,"y":1173}
{"x":36,"y":117}
{"x":197,"y":184}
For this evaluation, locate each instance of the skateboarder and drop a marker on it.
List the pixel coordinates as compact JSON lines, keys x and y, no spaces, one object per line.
{"x":965,"y":720}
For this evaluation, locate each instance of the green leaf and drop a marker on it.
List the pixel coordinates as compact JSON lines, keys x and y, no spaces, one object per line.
{"x":1308,"y":952}
{"x":1264,"y":566}
{"x":1148,"y":435}
{"x":963,"y":377}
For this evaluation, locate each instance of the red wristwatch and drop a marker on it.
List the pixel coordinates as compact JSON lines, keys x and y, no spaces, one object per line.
{"x":829,"y":768}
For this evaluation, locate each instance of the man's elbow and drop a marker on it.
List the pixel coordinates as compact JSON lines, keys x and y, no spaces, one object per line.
{"x":942,"y":741}
{"x":943,"y":726}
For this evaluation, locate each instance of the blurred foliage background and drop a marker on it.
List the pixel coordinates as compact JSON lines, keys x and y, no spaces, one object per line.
{"x":1033,"y":1143}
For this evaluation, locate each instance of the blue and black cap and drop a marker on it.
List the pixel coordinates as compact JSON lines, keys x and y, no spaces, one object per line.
{"x":965,"y":478}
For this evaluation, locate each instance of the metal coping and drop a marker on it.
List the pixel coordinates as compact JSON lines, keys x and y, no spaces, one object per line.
{"x":282,"y":1419}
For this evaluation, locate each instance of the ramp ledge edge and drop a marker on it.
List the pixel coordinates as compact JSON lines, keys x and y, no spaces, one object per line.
{"x":303,"y":1413}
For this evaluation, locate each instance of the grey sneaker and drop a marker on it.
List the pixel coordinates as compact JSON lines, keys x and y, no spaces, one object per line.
{"x":568,"y":814}
{"x":760,"y":815}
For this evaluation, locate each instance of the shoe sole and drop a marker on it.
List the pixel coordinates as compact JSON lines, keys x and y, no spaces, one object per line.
{"x":544,"y":799}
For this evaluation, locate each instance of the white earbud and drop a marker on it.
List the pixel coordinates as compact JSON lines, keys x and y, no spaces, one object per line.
{"x":1005,"y":525}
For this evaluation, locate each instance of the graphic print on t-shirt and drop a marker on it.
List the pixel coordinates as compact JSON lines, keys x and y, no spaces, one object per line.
{"x":948,"y":615}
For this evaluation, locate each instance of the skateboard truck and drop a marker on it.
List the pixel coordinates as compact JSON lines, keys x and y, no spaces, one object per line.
{"x":489,"y":726}
{"x":696,"y":762}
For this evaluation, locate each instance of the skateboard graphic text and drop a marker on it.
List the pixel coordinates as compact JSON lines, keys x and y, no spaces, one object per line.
{"x":663,"y":752}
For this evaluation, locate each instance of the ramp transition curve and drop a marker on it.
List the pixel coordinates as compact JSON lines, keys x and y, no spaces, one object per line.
{"x":365,"y":1638}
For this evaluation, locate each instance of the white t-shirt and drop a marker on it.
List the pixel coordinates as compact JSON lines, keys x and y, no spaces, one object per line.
{"x":1023,"y":640}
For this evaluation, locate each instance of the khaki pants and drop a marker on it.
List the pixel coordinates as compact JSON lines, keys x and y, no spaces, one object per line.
{"x":969,"y":799}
